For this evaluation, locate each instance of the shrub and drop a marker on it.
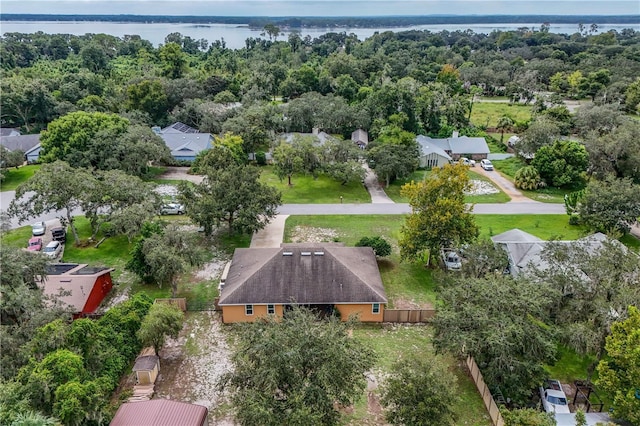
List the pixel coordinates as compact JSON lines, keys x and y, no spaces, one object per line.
{"x":261,"y":158}
{"x":379,"y":245}
{"x":527,"y":178}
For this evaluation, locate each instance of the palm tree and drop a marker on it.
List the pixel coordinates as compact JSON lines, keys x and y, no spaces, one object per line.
{"x":505,"y":123}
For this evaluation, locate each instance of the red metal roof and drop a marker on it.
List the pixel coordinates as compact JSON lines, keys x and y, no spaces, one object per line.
{"x":159,"y":412}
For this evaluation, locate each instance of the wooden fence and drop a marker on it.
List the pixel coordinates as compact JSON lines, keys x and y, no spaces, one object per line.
{"x":408,"y":315}
{"x":179,"y":302}
{"x":489,"y":403}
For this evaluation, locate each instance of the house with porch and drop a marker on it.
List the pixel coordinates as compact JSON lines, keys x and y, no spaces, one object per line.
{"x":326,"y":277}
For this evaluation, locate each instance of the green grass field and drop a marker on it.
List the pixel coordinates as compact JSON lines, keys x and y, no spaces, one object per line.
{"x":323,"y":190}
{"x":393,"y":191}
{"x":14,"y":177}
{"x":487,"y":114}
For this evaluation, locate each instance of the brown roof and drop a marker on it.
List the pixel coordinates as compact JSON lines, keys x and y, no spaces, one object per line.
{"x":75,"y":283}
{"x":159,"y":412}
{"x":145,"y":363}
{"x":303,"y":273}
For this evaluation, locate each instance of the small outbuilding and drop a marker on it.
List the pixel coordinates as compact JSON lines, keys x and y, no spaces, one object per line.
{"x":160,"y":412}
{"x":147,"y":368}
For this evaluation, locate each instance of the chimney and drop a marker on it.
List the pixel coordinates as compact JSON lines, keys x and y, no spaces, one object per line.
{"x":455,"y":134}
{"x":315,"y":131}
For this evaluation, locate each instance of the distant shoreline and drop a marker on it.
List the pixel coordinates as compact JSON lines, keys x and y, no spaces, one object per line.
{"x":335,"y":22}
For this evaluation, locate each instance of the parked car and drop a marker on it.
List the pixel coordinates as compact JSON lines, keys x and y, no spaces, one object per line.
{"x":53,"y":249}
{"x":59,"y":233}
{"x":38,"y":228}
{"x":35,"y":244}
{"x":467,"y":162}
{"x":553,"y":397}
{"x":172,"y":208}
{"x":486,"y":164}
{"x":451,"y":260}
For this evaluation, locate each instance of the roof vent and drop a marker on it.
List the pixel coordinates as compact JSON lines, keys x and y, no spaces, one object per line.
{"x":318,"y":253}
{"x":287,"y":253}
{"x":305,"y":253}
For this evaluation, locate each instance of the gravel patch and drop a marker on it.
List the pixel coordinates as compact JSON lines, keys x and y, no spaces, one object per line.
{"x":481,"y":187}
{"x":308,"y":234}
{"x":166,"y":190}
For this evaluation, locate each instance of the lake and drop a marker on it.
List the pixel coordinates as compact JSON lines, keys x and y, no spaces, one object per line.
{"x":235,"y":35}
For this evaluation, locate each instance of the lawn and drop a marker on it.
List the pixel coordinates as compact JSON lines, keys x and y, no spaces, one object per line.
{"x":545,"y":227}
{"x":14,"y":177}
{"x":323,"y":190}
{"x":487,"y":114}
{"x":510,"y":166}
{"x":393,"y":191}
{"x":393,"y":342}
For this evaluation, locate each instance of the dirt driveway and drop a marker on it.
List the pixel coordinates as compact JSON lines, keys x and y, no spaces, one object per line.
{"x":180,"y":173}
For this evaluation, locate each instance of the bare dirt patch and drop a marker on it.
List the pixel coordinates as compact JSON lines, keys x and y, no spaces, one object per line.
{"x":309,"y":234}
{"x":191,"y":365}
{"x":403,"y":303}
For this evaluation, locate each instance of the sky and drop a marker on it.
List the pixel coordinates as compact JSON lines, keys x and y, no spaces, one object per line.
{"x":323,"y":7}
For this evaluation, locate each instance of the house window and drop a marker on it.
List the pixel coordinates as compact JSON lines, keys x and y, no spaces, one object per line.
{"x":271,"y":309}
{"x":248,"y":309}
{"x":376,"y":308}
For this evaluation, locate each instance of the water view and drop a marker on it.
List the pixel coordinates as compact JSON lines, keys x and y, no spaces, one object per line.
{"x":235,"y":35}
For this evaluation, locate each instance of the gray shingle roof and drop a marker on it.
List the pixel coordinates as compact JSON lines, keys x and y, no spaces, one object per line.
{"x":179,"y":128}
{"x":458,"y":145}
{"x":20,"y":143}
{"x":184,"y":144}
{"x":426,"y":147}
{"x":303,"y":273}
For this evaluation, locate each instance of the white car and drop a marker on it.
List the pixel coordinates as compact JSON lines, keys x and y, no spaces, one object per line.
{"x":467,"y":162}
{"x":53,"y":249}
{"x":486,"y":164}
{"x":451,"y":260}
{"x":38,"y":228}
{"x":553,"y":397}
{"x":172,"y":208}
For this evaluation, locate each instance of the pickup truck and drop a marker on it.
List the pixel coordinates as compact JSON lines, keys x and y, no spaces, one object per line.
{"x":553,"y":397}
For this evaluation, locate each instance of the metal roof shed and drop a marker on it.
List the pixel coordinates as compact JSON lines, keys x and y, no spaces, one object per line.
{"x":160,"y":412}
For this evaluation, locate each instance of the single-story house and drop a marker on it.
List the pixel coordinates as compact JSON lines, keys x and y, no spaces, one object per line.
{"x":322,"y":276}
{"x":524,"y":249}
{"x":146,"y":368}
{"x":29,"y":144}
{"x":361,"y":138}
{"x":184,"y":142}
{"x":79,"y":286}
{"x":160,"y":412}
{"x":432,"y":155}
{"x":186,"y":146}
{"x":456,"y":146}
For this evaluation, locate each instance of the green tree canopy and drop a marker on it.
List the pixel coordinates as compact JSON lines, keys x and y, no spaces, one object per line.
{"x":610,"y":205}
{"x":562,"y":164}
{"x":233,"y":195}
{"x":440,"y":218}
{"x":420,"y":391}
{"x":162,"y":320}
{"x":293,"y":370}
{"x":69,"y":137}
{"x":619,"y":373}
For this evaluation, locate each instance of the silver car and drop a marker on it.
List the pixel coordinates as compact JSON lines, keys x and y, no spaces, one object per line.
{"x":38,"y":228}
{"x":53,"y":249}
{"x":172,"y":208}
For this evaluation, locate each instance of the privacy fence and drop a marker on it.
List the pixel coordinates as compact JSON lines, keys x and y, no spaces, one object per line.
{"x":489,"y":403}
{"x":408,"y":315}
